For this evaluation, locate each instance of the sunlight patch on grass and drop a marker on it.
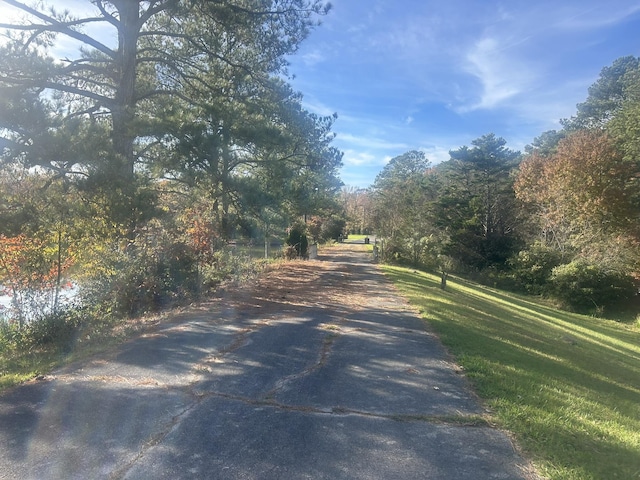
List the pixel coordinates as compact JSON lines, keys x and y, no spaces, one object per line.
{"x":19,"y":368}
{"x":566,"y":385}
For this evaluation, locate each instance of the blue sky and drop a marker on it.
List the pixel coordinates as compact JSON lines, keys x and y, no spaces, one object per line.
{"x":434,"y":75}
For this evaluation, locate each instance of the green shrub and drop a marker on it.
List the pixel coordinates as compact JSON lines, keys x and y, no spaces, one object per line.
{"x":394,"y":250}
{"x":531,"y":268}
{"x":144,"y":279}
{"x":332,"y":228}
{"x":583,"y":286}
{"x":297,"y":239}
{"x":56,"y":330}
{"x":11,"y":335}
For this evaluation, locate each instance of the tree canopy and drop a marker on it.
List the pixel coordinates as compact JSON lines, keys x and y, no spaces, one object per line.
{"x":123,"y":97}
{"x":171,"y":124}
{"x":561,"y":220}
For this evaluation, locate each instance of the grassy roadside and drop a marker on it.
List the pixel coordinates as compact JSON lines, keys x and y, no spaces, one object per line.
{"x":566,"y":385}
{"x":20,"y":364}
{"x":25,"y":355}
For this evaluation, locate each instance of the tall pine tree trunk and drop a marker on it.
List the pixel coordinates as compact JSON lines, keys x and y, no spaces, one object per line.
{"x":123,"y":111}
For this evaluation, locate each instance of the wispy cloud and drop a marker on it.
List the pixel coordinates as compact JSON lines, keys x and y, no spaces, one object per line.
{"x":600,"y":16}
{"x":313,"y":105}
{"x":370,"y":142}
{"x":436,"y":153}
{"x":501,"y":76}
{"x":358,"y":158}
{"x":313,"y":58}
{"x":434,"y":76}
{"x":517,"y":60}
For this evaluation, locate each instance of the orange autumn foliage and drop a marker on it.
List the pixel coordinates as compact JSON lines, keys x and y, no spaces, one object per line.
{"x":27,"y":264}
{"x":583,"y":187}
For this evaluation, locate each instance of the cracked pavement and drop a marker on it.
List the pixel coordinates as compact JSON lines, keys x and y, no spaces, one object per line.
{"x":318,"y":370}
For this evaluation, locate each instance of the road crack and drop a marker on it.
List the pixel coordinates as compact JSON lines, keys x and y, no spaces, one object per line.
{"x":459,"y":420}
{"x":325,"y":351}
{"x":155,"y":440}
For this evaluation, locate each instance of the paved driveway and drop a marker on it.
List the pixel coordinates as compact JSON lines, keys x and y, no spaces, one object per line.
{"x":318,"y":371}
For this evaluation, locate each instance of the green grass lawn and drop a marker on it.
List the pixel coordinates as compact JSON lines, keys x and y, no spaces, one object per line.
{"x":360,"y":239}
{"x":357,"y":238}
{"x":566,"y":385}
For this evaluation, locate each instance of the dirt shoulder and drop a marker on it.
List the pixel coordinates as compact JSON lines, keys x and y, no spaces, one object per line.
{"x":290,"y":284}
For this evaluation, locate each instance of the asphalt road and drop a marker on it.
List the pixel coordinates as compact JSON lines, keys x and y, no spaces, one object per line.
{"x":337,"y":380}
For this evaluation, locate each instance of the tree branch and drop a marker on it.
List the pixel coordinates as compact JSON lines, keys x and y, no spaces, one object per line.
{"x":106,"y":101}
{"x":58,"y":27}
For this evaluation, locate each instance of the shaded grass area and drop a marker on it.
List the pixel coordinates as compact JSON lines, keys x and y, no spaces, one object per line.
{"x":16,"y":369}
{"x":566,"y":385}
{"x":22,"y":361}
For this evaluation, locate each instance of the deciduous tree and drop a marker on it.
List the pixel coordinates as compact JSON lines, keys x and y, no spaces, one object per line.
{"x":581,"y":194}
{"x":402,"y":198}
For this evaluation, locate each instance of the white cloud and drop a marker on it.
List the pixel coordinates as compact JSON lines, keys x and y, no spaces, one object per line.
{"x":501,"y":75}
{"x":317,"y":107}
{"x":370,"y":143}
{"x":434,"y":76}
{"x":514,"y":58}
{"x":436,"y":154}
{"x":357,"y":158}
{"x":312,"y":58}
